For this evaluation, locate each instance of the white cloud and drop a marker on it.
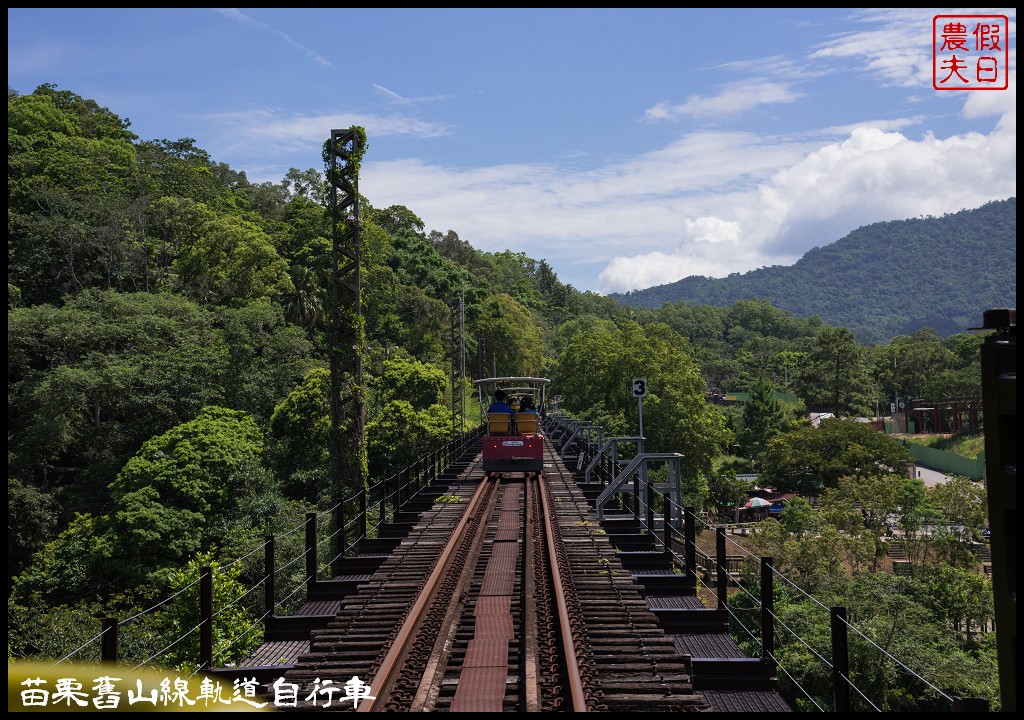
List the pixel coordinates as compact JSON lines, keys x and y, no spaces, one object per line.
{"x":999,"y":103}
{"x":878,"y":124}
{"x":735,"y":98}
{"x":265,"y":132}
{"x":642,"y":203}
{"x":708,"y":203}
{"x":898,"y":53}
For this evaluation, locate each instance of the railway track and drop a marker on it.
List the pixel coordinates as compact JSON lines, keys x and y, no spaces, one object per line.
{"x":505,"y":596}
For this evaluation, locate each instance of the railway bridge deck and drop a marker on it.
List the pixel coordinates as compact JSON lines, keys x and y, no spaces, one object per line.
{"x":722,"y":677}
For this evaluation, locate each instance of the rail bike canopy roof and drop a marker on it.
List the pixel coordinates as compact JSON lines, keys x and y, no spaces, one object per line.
{"x":513,"y":386}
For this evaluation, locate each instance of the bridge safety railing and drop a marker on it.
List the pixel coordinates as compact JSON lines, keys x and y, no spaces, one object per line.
{"x":746,"y":588}
{"x":224,"y":609}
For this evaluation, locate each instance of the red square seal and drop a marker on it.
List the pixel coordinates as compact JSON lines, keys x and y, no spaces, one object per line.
{"x":970,"y":52}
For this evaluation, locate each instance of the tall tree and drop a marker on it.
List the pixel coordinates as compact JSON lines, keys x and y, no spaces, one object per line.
{"x":835,"y":376}
{"x":515,"y":345}
{"x":71,"y":172}
{"x":167,"y":495}
{"x":304,"y":305}
{"x":230,"y":261}
{"x":909,"y":362}
{"x":297,"y":441}
{"x":763,"y":418}
{"x":169,"y":501}
{"x":963,"y":506}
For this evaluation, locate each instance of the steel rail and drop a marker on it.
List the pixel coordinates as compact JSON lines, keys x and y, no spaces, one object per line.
{"x":575,"y":680}
{"x":399,"y":649}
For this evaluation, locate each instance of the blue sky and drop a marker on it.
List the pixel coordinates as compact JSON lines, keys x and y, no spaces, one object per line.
{"x":627,"y":147}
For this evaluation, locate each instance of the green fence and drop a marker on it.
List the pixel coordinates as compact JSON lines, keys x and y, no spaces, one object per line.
{"x":947,"y":462}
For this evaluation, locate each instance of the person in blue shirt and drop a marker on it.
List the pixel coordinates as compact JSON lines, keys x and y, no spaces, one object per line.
{"x":499,"y":405}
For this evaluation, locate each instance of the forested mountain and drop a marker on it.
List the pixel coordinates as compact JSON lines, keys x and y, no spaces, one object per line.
{"x":881,"y":280}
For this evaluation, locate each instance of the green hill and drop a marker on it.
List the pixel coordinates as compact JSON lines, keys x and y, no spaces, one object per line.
{"x":881,"y":280}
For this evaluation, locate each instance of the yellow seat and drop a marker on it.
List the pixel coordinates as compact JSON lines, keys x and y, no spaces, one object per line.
{"x":526,"y":423}
{"x":499,"y":423}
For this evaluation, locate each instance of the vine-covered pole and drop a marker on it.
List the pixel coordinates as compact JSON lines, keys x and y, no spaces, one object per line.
{"x":343,"y":155}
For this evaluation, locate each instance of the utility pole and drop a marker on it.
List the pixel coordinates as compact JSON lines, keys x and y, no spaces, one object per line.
{"x":458,"y":350}
{"x":462,"y":355}
{"x":896,"y":404}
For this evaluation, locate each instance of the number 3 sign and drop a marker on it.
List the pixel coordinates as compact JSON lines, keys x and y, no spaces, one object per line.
{"x":640,"y":387}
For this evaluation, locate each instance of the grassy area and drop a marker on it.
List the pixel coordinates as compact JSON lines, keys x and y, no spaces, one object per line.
{"x":969,"y":446}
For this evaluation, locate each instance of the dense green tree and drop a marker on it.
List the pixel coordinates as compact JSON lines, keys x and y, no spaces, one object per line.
{"x":894,"y":621}
{"x":808,"y":460}
{"x":298,"y":436}
{"x":814,"y":565}
{"x":900,"y":625}
{"x":966,"y":347}
{"x":90,"y":381}
{"x":513,"y":274}
{"x":514,"y":344}
{"x":233,"y":638}
{"x":268,"y":200}
{"x":71,"y":170}
{"x":302,"y":237}
{"x":396,"y":218}
{"x":167,"y":495}
{"x":595,"y":371}
{"x":834,"y":377}
{"x":47,"y":633}
{"x":702,"y":325}
{"x":451,"y":246}
{"x":560,"y":301}
{"x":960,"y":598}
{"x":177,"y":169}
{"x":420,"y":384}
{"x":267,"y":357}
{"x":307,"y":301}
{"x":400,"y":435}
{"x":791,"y":362}
{"x":906,"y":366}
{"x":228,"y":261}
{"x":170,"y":501}
{"x":409,"y":398}
{"x":763,"y":418}
{"x":31,"y":518}
{"x":309,"y":184}
{"x":417,"y":263}
{"x":797,"y":517}
{"x":962,"y":506}
{"x":883,"y":500}
{"x":962,"y":384}
{"x":727,"y":492}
